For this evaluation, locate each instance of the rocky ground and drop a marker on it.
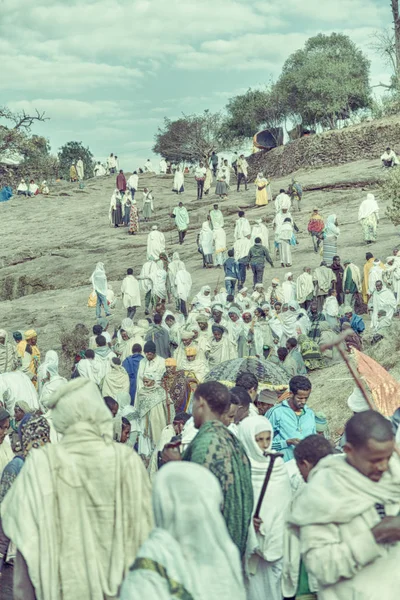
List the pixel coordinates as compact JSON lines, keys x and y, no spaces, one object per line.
{"x":51,"y":245}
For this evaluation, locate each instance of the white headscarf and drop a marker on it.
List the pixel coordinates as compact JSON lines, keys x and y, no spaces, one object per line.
{"x":190,"y":539}
{"x":99,"y":279}
{"x":84,"y":488}
{"x":50,"y":364}
{"x":200,"y":298}
{"x":368,"y":207}
{"x":330,"y":227}
{"x":269,"y":541}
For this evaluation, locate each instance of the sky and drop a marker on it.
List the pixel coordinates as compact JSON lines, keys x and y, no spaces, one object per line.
{"x":107,"y":72}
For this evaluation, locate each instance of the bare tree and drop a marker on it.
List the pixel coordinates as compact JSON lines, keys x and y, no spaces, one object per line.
{"x":396,"y":23}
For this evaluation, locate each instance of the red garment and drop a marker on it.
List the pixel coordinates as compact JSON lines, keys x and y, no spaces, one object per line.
{"x":121,"y":182}
{"x":316,"y":225}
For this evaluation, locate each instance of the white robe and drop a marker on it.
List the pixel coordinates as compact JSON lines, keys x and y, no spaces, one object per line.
{"x":155,"y":244}
{"x":206,"y":239}
{"x":217,"y":218}
{"x":80,"y":169}
{"x":383,"y":300}
{"x":183,"y":284}
{"x":130,"y":292}
{"x":261,"y":231}
{"x":304,"y":287}
{"x":155,"y":367}
{"x":242,"y":228}
{"x":179,"y":181}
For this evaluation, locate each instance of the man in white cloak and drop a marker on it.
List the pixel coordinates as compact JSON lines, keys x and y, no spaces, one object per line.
{"x":242,"y":227}
{"x":155,"y":243}
{"x":148,"y":167}
{"x":133,"y":183}
{"x":217,"y":218}
{"x":382,"y":299}
{"x":305,"y":288}
{"x":130,"y":294}
{"x":346,"y":517}
{"x":163,"y":166}
{"x":282,"y":201}
{"x":181,"y":216}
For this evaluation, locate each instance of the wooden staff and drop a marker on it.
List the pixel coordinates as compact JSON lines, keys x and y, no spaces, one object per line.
{"x":273,"y":457}
{"x":338,"y":343}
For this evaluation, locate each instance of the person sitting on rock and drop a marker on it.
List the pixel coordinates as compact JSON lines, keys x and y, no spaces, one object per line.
{"x":389,"y":158}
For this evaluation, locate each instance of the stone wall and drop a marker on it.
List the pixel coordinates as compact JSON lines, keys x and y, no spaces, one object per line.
{"x":367,"y":140}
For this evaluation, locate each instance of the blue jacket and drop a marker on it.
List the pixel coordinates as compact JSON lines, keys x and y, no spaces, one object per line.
{"x":131,"y":366}
{"x":287,"y":425}
{"x":231,"y":268}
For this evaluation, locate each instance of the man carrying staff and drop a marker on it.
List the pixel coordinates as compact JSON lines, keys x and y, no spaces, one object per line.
{"x":347,"y":516}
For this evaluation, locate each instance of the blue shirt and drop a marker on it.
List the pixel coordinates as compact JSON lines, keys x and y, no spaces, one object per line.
{"x":131,"y":366}
{"x":286,"y":425}
{"x":230,"y":268}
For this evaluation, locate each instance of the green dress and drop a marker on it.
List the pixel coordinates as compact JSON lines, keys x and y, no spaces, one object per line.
{"x":217,"y":449}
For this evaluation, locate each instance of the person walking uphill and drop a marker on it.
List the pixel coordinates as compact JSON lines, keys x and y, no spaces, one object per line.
{"x":99,"y":282}
{"x":86,"y":503}
{"x":258,"y":256}
{"x":181,"y":216}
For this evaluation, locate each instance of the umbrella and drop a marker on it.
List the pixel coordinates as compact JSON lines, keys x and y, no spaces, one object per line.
{"x":270,"y":375}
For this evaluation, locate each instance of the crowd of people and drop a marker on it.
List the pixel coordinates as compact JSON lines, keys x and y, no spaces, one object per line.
{"x":139,"y":470}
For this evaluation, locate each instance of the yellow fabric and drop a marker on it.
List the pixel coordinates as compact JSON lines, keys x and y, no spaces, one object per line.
{"x":31,"y":333}
{"x":261,"y":195}
{"x":92,"y":300}
{"x":34,"y":357}
{"x":72,"y":173}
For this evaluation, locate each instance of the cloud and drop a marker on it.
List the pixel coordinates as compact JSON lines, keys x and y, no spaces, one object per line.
{"x":67,"y":108}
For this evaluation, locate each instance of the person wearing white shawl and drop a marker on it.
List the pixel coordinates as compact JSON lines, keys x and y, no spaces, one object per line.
{"x":17,"y":386}
{"x":217,"y":218}
{"x":179,"y":181}
{"x":382,"y":299}
{"x":155,"y":243}
{"x":206,"y":244}
{"x":331,"y":311}
{"x":346,"y":543}
{"x":305,"y":288}
{"x":203,"y":298}
{"x":195,"y":363}
{"x":148,"y":205}
{"x":392,"y":276}
{"x":99,"y":282}
{"x":264,"y":550}
{"x":116,"y":380}
{"x":133,"y":183}
{"x":331,"y":234}
{"x":282,"y":201}
{"x":152,"y":366}
{"x":163,"y":166}
{"x":242,"y":227}
{"x":80,"y":169}
{"x":220,"y":246}
{"x":190,"y":550}
{"x":352,"y":284}
{"x":323,"y":278}
{"x":115,"y":210}
{"x":368,"y":214}
{"x":160,"y":283}
{"x":85,"y":501}
{"x":261,"y":231}
{"x":50,"y":379}
{"x":235,"y":325}
{"x":173,"y":268}
{"x":289,"y":288}
{"x":389,"y":158}
{"x":220,"y":348}
{"x":147,"y":279}
{"x":150,"y":414}
{"x":284,"y":235}
{"x":274,"y":292}
{"x":22,"y":189}
{"x":375,"y":274}
{"x":183,"y":286}
{"x":220,"y":298}
{"x":130,"y":291}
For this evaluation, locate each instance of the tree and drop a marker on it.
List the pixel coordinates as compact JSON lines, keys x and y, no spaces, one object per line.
{"x":396,"y":23}
{"x":31,"y":152}
{"x":325,"y":81}
{"x":252,"y":111}
{"x":71,"y":152}
{"x":190,"y":138}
